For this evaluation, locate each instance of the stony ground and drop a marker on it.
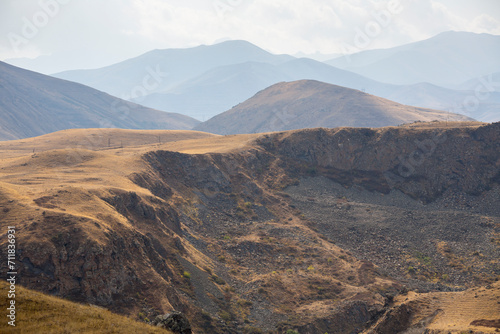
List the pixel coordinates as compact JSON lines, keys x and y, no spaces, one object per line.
{"x":437,"y":246}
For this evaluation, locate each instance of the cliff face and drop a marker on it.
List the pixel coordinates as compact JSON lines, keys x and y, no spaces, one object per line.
{"x":214,"y":235}
{"x":422,"y":163}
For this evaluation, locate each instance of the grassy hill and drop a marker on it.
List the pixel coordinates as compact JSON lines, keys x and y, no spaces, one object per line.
{"x":41,"y":313}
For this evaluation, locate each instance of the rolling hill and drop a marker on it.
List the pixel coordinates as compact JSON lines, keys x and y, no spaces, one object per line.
{"x":309,"y":104}
{"x":32,"y":104}
{"x":445,"y":60}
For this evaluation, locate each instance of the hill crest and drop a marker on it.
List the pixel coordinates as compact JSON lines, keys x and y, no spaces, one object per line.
{"x":309,"y":104}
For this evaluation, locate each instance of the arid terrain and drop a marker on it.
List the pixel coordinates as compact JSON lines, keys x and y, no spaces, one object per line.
{"x":344,"y":230}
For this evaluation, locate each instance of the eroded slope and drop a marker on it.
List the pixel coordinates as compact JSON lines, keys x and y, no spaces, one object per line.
{"x":143,"y":230}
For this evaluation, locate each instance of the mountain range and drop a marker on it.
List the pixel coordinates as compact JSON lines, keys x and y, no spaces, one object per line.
{"x":33,"y":104}
{"x":447,"y":59}
{"x":204,"y":81}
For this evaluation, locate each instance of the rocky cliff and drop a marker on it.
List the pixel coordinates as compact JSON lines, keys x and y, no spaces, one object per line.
{"x":226,"y":238}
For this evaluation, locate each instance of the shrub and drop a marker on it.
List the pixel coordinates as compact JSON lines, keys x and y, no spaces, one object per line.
{"x":218,"y":280}
{"x":252,"y":330}
{"x":226,"y":316}
{"x":186,"y":274}
{"x":244,"y":302}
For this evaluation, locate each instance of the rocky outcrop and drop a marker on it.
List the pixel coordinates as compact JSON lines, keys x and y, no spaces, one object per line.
{"x":174,"y":321}
{"x":422,"y":163}
{"x":350,"y":317}
{"x":395,"y":320}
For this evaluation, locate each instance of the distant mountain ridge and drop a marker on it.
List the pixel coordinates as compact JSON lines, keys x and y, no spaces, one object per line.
{"x":445,"y":60}
{"x":310,"y":104}
{"x":33,"y":104}
{"x":174,"y":66}
{"x":204,"y":81}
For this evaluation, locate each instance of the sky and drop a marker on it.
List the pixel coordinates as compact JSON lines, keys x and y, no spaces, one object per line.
{"x":94,"y":33}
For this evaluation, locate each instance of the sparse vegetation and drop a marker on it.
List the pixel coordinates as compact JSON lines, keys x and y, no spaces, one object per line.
{"x":225,"y":315}
{"x":252,"y":330}
{"x":289,"y":268}
{"x":218,"y":280}
{"x":41,"y":313}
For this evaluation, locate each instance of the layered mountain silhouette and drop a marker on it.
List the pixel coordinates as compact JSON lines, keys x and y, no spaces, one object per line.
{"x":310,"y":104}
{"x":33,"y":104}
{"x":446,"y":59}
{"x":204,"y":81}
{"x":170,"y":67}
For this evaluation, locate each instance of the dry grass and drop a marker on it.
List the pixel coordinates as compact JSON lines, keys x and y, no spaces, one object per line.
{"x":457,"y":310}
{"x":41,"y":313}
{"x":97,"y":140}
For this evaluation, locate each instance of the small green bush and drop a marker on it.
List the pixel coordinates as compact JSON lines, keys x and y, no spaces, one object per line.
{"x":226,"y":316}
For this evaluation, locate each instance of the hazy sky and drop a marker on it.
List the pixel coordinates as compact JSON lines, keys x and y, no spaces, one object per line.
{"x":106,"y":31}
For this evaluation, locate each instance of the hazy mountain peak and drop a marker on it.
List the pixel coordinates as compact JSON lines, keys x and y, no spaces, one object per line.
{"x":445,"y":59}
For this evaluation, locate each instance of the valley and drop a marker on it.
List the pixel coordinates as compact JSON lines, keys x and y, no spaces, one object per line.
{"x":315,"y":230}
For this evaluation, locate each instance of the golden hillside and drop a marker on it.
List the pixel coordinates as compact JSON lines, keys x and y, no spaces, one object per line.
{"x":44,"y":314}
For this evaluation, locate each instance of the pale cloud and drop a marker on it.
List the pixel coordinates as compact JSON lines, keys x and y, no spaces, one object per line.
{"x":484,"y":23}
{"x":123,"y":28}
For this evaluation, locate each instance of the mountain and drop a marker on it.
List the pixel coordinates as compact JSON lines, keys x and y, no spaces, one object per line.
{"x":444,"y":60}
{"x":218,"y":89}
{"x":160,"y":70}
{"x":310,"y":104}
{"x":478,"y":102}
{"x":310,"y":231}
{"x":485,"y":84}
{"x":223,"y":87}
{"x":204,"y":81}
{"x":33,"y":104}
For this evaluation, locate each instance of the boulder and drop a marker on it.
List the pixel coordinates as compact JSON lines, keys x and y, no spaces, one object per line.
{"x":174,"y":321}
